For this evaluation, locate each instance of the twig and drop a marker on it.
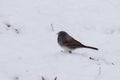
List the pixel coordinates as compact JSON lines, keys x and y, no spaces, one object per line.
{"x":52,"y":27}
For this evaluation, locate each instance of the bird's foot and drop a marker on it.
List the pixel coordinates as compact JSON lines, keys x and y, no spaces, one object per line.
{"x":70,"y":52}
{"x":66,"y":51}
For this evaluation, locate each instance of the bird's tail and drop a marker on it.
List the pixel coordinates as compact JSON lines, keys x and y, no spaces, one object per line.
{"x":91,"y":47}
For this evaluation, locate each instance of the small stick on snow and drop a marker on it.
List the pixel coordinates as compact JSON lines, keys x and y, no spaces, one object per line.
{"x":52,"y":27}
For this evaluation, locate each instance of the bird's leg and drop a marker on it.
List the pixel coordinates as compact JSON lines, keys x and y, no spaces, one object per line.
{"x":70,"y":51}
{"x":66,"y":51}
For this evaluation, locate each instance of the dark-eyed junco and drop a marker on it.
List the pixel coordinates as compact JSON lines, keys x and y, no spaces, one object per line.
{"x":69,"y":43}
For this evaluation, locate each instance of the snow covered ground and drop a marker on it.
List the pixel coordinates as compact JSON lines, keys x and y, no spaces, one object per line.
{"x":29,"y":49}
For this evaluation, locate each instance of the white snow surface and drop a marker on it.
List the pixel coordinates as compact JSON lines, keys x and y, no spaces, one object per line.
{"x":29,"y":48}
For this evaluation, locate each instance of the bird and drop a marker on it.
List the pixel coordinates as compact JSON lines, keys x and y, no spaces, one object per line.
{"x":68,"y":43}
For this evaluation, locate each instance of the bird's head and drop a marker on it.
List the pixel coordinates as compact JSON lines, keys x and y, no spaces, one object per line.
{"x":63,"y":35}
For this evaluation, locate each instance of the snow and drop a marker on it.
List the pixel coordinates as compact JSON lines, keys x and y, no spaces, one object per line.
{"x":29,"y":48}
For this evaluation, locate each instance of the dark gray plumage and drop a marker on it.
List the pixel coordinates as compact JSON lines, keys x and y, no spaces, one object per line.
{"x":69,"y":43}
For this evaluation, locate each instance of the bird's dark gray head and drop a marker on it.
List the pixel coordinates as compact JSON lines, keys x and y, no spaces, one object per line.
{"x":62,"y":33}
{"x":62,"y":37}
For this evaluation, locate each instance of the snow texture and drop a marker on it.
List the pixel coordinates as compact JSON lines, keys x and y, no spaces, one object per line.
{"x":28,"y":40}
